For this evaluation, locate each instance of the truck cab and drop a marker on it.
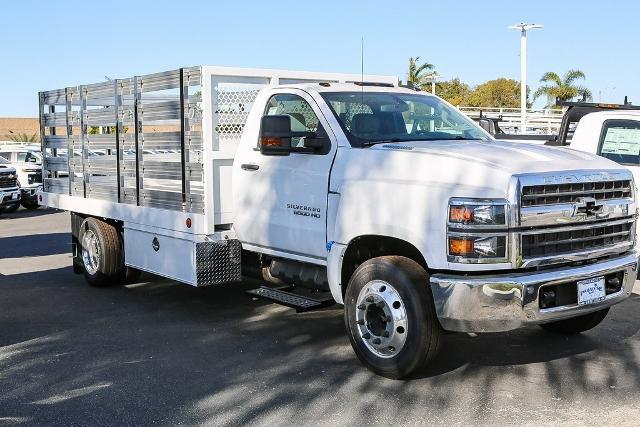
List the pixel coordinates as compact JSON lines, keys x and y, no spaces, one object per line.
{"x":614,"y":135}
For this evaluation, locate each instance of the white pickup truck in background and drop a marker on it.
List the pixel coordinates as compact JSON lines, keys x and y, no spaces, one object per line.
{"x":9,"y":187}
{"x":28,"y":165}
{"x":611,"y":134}
{"x":346,"y":189}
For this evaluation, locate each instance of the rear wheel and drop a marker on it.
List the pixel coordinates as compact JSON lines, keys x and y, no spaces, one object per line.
{"x":102,"y":255}
{"x":576,"y":325}
{"x":390,"y":316}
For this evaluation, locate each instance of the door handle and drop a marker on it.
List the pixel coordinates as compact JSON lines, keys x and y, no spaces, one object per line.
{"x":249,"y":167}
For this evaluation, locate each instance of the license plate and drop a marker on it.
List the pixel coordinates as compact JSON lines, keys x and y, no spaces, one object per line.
{"x":14,"y":196}
{"x":591,"y":291}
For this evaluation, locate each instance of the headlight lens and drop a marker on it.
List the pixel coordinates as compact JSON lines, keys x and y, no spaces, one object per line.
{"x":477,"y":231}
{"x":471,"y":213}
{"x":477,"y":247}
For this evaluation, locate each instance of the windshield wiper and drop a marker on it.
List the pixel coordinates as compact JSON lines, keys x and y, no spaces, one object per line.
{"x":382,"y":141}
{"x":457,"y":138}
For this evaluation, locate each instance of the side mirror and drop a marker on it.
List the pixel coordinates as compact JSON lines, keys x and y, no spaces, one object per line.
{"x":275,"y":135}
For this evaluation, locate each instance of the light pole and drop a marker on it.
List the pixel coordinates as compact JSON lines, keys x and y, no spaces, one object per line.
{"x":433,"y":77}
{"x":523,"y":70}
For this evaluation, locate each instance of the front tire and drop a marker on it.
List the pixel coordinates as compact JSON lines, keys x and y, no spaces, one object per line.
{"x":29,"y":203}
{"x":390,"y":316}
{"x":11,"y":208}
{"x":102,"y":254}
{"x":576,"y":325}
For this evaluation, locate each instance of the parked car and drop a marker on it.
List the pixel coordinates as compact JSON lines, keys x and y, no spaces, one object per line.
{"x":28,"y":164}
{"x":10,"y":194}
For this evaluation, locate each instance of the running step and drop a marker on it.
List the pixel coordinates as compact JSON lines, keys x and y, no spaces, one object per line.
{"x":301,"y":303}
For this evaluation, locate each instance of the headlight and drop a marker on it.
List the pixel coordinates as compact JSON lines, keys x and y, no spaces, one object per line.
{"x":477,"y":212}
{"x":477,"y":231}
{"x":478,"y":247}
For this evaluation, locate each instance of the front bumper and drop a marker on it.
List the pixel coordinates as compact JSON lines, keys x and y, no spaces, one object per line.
{"x":9,"y":197}
{"x":31,"y":192}
{"x":495,"y":303}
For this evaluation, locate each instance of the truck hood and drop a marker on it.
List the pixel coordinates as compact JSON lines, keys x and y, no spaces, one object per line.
{"x":455,"y":168}
{"x":514,"y":158}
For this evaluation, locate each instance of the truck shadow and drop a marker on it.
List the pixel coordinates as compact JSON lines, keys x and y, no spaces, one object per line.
{"x":212,"y":355}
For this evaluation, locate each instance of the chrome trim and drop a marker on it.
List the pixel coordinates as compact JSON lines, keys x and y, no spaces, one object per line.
{"x":534,"y":216}
{"x":503,"y":302}
{"x":615,"y":249}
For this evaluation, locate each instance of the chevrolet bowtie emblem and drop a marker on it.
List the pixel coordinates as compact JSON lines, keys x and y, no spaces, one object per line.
{"x":587,"y":206}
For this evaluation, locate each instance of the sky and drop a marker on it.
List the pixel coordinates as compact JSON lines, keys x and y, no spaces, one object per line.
{"x":53,"y":44}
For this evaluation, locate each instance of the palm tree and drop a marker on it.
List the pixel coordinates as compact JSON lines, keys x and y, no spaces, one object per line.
{"x":416,"y":76}
{"x":563,"y":88}
{"x":22,"y":137}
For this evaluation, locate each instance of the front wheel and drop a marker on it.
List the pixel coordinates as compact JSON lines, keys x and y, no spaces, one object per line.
{"x":11,"y":208}
{"x":576,"y":325}
{"x":29,"y":203}
{"x":390,"y":316}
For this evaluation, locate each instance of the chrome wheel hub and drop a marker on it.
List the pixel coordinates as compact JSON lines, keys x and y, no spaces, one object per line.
{"x":381,"y":318}
{"x":90,"y":252}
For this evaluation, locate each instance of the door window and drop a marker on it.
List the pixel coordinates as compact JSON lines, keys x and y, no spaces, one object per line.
{"x":303,"y":118}
{"x":620,"y":141}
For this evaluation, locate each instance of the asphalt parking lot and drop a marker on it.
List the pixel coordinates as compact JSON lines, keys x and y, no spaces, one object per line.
{"x":164,"y":353}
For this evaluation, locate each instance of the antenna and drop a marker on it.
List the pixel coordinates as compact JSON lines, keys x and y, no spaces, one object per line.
{"x":362,"y":69}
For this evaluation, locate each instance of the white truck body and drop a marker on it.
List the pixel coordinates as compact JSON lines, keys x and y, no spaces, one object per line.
{"x":506,"y":234}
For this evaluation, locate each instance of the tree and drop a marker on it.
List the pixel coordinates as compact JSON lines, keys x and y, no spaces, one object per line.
{"x":417,"y":73}
{"x":454,"y":91}
{"x":22,"y":137}
{"x":500,"y":92}
{"x":564,"y":88}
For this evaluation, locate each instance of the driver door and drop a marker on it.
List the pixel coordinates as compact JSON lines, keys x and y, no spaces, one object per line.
{"x":283,"y":205}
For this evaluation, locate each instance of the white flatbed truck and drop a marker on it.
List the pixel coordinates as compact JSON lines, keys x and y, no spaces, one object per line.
{"x":383,"y":199}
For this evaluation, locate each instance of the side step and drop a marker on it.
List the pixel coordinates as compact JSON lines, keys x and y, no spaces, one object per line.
{"x":301,"y":303}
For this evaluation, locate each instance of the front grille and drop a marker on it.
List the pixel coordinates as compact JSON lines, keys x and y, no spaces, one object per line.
{"x":6,"y":182}
{"x":35,"y":178}
{"x":551,"y":194}
{"x":586,"y":238}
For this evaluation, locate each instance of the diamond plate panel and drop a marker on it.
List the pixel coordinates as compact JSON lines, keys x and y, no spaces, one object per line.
{"x":218,"y":262}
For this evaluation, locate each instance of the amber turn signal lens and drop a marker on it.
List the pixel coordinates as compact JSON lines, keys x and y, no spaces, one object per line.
{"x":462,"y":214}
{"x":269,"y":141}
{"x":461,"y":247}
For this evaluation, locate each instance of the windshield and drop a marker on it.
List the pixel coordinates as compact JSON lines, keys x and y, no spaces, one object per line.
{"x":374,"y":117}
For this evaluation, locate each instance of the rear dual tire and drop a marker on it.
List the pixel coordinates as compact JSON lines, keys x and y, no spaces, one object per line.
{"x":390,"y":316}
{"x":102,"y":254}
